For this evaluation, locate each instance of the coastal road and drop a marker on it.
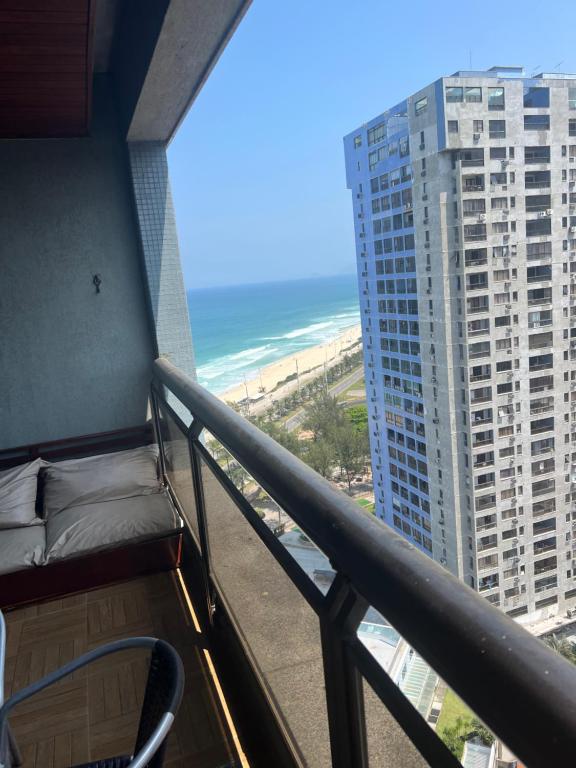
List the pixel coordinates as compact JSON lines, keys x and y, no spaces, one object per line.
{"x":335,"y":390}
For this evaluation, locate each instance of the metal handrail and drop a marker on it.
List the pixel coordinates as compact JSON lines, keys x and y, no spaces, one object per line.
{"x":474,"y":647}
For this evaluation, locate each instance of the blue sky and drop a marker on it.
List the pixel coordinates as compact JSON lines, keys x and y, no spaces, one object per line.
{"x":257,"y":167}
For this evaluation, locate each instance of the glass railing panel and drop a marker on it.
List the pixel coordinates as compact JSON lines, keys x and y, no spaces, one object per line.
{"x":178,"y":467}
{"x":387,"y":744}
{"x":301,"y":548}
{"x":442,"y":709}
{"x":277,"y":625}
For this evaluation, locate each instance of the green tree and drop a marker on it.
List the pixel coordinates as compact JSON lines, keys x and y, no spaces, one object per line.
{"x":321,"y":457}
{"x":239,"y":476}
{"x":358,"y":416}
{"x":349,"y":450}
{"x":322,"y":416}
{"x":562,"y":646}
{"x":279,"y":433}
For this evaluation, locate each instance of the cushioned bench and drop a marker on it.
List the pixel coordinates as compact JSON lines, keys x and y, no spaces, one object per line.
{"x":88,"y":505}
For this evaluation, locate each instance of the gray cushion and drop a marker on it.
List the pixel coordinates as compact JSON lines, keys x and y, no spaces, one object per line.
{"x":100,"y":478}
{"x":18,"y":495}
{"x":90,"y":527}
{"x":21,"y":548}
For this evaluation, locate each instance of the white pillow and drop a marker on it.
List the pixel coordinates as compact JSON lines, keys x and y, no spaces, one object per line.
{"x":18,"y":495}
{"x":106,"y":477}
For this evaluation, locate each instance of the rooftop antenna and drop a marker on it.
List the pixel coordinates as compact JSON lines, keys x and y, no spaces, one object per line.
{"x":558,"y":66}
{"x":536,"y":69}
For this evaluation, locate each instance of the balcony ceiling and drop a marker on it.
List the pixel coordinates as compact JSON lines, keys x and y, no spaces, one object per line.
{"x":45,"y":67}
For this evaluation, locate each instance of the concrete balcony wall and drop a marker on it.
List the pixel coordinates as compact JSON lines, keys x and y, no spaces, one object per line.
{"x":72,"y":361}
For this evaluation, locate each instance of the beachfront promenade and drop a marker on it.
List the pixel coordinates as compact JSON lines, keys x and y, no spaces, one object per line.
{"x":294,"y":370}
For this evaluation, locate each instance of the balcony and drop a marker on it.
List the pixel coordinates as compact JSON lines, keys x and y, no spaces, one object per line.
{"x":277,"y":671}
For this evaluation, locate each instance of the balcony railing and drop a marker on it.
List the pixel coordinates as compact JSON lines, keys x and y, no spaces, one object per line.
{"x":476,"y":649}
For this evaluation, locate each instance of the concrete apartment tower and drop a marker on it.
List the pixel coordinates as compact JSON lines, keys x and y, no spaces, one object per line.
{"x":464,"y":199}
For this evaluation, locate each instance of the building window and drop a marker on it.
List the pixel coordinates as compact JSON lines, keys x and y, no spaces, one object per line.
{"x":571,"y":98}
{"x":473,"y":94}
{"x":537,"y":154}
{"x":538,"y":227}
{"x":536,"y":122}
{"x":473,"y":207}
{"x":478,"y":126}
{"x":404,"y":146}
{"x":498,"y":178}
{"x":537,"y":179}
{"x":538,"y":202}
{"x":497,"y":129}
{"x":474,"y":232}
{"x":473,"y":183}
{"x":357,"y":141}
{"x":471,"y":157}
{"x":496,"y":98}
{"x":454,"y":93}
{"x":421,"y":105}
{"x":376,"y":134}
{"x":572,"y":127}
{"x":452,"y":126}
{"x":536,"y":97}
{"x":375,"y":157}
{"x":497,"y":153}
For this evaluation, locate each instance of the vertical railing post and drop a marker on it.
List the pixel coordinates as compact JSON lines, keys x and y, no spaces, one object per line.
{"x":193,"y":434}
{"x":157,"y":430}
{"x":343,"y":682}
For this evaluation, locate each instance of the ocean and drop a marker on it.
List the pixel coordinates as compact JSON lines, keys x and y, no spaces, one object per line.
{"x":239,"y":329}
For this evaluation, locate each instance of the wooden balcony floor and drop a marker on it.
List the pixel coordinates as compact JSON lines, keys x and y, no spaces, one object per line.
{"x":95,"y":713}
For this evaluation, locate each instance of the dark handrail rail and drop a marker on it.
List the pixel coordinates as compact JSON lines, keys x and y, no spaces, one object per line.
{"x":520,"y":688}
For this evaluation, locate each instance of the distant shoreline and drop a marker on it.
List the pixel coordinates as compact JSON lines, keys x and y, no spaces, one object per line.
{"x":278,"y":379}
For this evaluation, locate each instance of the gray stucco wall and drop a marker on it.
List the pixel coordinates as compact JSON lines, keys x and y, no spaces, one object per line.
{"x":72,"y":361}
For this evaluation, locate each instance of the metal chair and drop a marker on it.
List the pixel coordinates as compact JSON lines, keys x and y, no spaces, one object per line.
{"x":162,"y":698}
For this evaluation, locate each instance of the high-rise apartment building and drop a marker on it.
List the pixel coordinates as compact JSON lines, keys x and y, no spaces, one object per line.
{"x":464,"y":199}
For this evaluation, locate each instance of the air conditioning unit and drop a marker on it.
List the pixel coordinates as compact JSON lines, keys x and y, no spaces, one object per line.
{"x":424,"y":197}
{"x":428,"y":290}
{"x":424,"y":221}
{"x":434,"y":380}
{"x":422,"y":146}
{"x":436,"y":421}
{"x":572,"y":229}
{"x":481,"y":217}
{"x":549,"y":211}
{"x":476,"y":136}
{"x":428,"y":268}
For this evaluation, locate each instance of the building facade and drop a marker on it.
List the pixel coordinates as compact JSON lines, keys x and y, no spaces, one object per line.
{"x":464,"y":199}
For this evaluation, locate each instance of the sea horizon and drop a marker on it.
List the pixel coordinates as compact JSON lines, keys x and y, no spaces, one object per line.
{"x":239,"y":329}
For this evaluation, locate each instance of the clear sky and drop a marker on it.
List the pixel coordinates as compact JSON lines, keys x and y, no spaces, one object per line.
{"x":257,"y":167}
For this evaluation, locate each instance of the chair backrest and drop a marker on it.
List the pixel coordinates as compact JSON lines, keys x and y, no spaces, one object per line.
{"x":164,"y":688}
{"x":162,"y":697}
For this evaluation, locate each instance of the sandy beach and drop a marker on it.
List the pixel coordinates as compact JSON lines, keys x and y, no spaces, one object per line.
{"x":309,"y":363}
